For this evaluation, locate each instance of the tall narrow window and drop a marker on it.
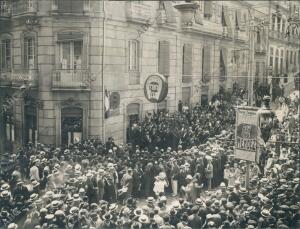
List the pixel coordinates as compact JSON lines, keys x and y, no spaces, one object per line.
{"x":6,"y":55}
{"x":187,"y":60}
{"x":133,"y":55}
{"x":281,"y":62}
{"x":273,"y":21}
{"x":222,"y":63}
{"x":278,"y":24}
{"x":29,"y":53}
{"x":164,"y":58}
{"x":283,"y":26}
{"x":271,"y":57}
{"x":287,"y":61}
{"x":206,"y":64}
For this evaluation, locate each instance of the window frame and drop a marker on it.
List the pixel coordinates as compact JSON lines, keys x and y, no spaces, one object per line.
{"x":136,"y":55}
{"x":4,"y":66}
{"x":72,"y":60}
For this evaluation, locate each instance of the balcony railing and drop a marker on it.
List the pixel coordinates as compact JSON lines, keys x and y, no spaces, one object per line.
{"x":138,"y":12}
{"x":24,"y":7}
{"x":5,"y":9}
{"x":71,"y":79}
{"x":18,"y":77}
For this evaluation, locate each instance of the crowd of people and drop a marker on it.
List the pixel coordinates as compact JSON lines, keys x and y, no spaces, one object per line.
{"x":188,"y":155}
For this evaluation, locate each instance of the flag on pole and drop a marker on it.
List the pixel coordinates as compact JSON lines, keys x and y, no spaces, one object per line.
{"x":106,"y":104}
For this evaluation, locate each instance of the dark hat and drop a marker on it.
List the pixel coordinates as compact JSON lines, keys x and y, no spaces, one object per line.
{"x":107,"y":216}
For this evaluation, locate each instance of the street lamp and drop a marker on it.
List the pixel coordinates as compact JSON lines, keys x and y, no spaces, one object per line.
{"x":265,"y":118}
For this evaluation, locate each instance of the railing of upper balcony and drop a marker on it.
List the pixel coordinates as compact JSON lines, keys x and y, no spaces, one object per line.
{"x":17,"y":77}
{"x":5,"y":9}
{"x":25,"y":6}
{"x":71,"y":79}
{"x":81,"y":7}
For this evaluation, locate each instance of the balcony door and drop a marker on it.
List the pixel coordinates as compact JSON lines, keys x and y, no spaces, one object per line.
{"x":71,"y":125}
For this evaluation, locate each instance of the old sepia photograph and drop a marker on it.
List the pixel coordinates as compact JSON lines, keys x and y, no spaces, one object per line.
{"x":149,"y":114}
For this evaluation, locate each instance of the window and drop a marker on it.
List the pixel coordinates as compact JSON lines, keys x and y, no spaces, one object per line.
{"x":187,"y":59}
{"x":271,"y":57}
{"x":278,"y":24}
{"x":133,"y":55}
{"x":291,"y":57}
{"x":281,"y":62}
{"x":273,"y":21}
{"x":70,"y":53}
{"x":283,"y":26}
{"x":206,"y":64}
{"x":222,"y":63}
{"x":256,"y":69}
{"x":208,"y":9}
{"x":164,"y":58}
{"x":6,"y":55}
{"x":9,"y":127}
{"x":29,"y":53}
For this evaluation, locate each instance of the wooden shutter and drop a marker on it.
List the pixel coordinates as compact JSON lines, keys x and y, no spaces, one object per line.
{"x":187,"y":60}
{"x":170,"y":14}
{"x":164,"y":58}
{"x":206,"y":63}
{"x":263,"y":37}
{"x":208,"y":8}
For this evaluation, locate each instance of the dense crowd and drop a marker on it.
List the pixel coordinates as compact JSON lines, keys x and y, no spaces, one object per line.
{"x":95,"y":185}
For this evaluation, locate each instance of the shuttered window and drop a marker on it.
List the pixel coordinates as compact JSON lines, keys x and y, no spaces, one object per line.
{"x":223,"y":54}
{"x":133,"y":55}
{"x":208,"y":8}
{"x":164,"y":58}
{"x":170,"y":13}
{"x":206,"y":64}
{"x":187,"y":60}
{"x":6,"y":55}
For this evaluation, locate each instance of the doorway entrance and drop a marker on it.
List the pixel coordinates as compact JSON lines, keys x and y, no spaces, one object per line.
{"x":30,"y":124}
{"x":133,"y":117}
{"x":71,"y":125}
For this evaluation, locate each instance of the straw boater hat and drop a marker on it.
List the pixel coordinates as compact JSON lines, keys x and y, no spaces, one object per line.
{"x":143,"y":219}
{"x":138,"y":212}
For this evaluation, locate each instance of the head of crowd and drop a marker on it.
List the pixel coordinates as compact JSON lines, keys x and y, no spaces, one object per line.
{"x":177,"y":171}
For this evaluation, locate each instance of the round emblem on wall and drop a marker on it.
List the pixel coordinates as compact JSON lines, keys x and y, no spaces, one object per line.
{"x":156,"y":88}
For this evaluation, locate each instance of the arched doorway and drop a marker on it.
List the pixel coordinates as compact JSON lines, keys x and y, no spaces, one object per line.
{"x":71,"y":125}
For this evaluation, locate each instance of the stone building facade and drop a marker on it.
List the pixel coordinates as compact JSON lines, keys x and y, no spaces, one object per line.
{"x":75,"y":69}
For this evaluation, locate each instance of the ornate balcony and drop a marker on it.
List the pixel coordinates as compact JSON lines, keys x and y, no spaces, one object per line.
{"x":138,"y":12}
{"x":5,"y":9}
{"x":71,"y":7}
{"x":71,"y":79}
{"x":24,"y":7}
{"x":18,"y":77}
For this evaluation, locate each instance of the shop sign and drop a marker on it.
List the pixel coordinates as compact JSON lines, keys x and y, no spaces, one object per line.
{"x":156,"y":88}
{"x":246,"y":134}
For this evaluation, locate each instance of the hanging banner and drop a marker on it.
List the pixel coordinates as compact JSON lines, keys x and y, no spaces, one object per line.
{"x":246,"y":133}
{"x":156,"y":88}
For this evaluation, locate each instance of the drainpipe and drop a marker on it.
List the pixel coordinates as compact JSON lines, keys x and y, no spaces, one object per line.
{"x":102,"y":69}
